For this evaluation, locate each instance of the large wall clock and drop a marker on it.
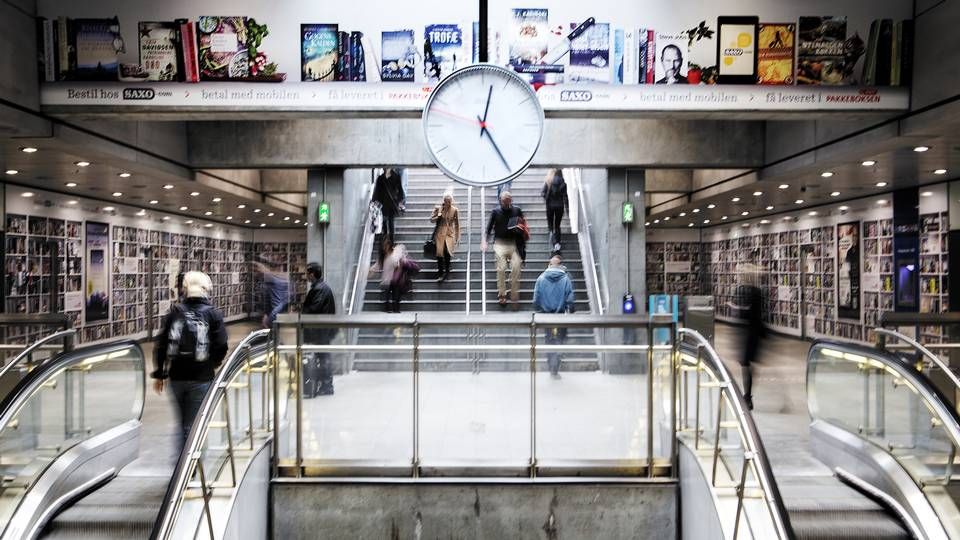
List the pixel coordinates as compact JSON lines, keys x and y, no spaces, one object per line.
{"x":483,"y":125}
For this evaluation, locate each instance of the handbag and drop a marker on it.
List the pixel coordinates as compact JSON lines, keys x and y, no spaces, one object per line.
{"x":430,"y":246}
{"x":523,"y":227}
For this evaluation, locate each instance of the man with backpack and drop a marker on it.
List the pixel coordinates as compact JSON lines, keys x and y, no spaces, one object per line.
{"x":553,"y":293}
{"x":317,"y":369}
{"x":190,"y":349}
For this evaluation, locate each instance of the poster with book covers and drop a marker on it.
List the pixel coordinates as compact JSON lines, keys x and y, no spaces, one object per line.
{"x":398,"y":61}
{"x":529,"y":36}
{"x":671,"y":59}
{"x":222,"y":43}
{"x":820,"y":50}
{"x":318,"y":52}
{"x":775,"y":53}
{"x":590,"y":55}
{"x":443,"y":51}
{"x":159,"y":46}
{"x":96,"y":45}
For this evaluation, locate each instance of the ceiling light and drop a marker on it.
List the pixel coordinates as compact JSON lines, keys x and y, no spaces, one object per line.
{"x":72,"y":202}
{"x":189,"y":222}
{"x":229,"y":218}
{"x":168,"y":186}
{"x":208,"y":225}
{"x":117,"y":194}
{"x":798,"y":201}
{"x":28,"y":149}
{"x":108,"y":209}
{"x":256,"y":210}
{"x":194,"y":193}
{"x":142,"y":213}
{"x":812,"y":213}
{"x":82,"y":163}
{"x":826,"y":174}
{"x":71,"y":184}
{"x":647,"y":224}
{"x":724,"y":218}
{"x":920,"y":148}
{"x":786,"y":218}
{"x":835,"y":194}
{"x":217,"y":199}
{"x":241,"y":206}
{"x":784,"y":186}
{"x":881,"y":184}
{"x":696,"y":210}
{"x":764,"y":221}
{"x":27,"y":194}
{"x":735,"y":199}
{"x":706,"y":221}
{"x":940,"y":171}
{"x":869,"y":163}
{"x":154,"y":201}
{"x":744,"y":213}
{"x":166,"y":218}
{"x":757,"y":193}
{"x":12,"y":172}
{"x":263,"y":224}
{"x":682,"y":214}
{"x":271,"y":214}
{"x":208,"y":213}
{"x":690,"y":225}
{"x":711,"y":206}
{"x":124,"y":175}
{"x":298,"y":221}
{"x":926,"y":194}
{"x":844,"y":208}
{"x":745,"y":225}
{"x":183,"y":208}
{"x":882,"y":201}
{"x":665,"y":219}
{"x":247,"y":222}
{"x":770,"y":207}
{"x":656,"y":221}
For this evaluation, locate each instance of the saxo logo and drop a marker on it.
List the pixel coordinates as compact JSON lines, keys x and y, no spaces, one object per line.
{"x":138,"y":93}
{"x":576,"y":95}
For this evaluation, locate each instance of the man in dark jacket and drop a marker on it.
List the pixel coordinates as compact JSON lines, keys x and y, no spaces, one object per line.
{"x":190,"y":349}
{"x":554,"y":195}
{"x":317,"y":372}
{"x":509,"y":246}
{"x":388,"y":191}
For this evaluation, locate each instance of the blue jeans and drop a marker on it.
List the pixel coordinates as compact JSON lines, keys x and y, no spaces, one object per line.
{"x":188,"y":396}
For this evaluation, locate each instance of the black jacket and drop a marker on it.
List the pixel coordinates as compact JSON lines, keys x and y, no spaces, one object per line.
{"x":499,"y":219}
{"x":389,"y":193}
{"x":555,"y":195}
{"x":319,"y":300}
{"x":191,"y":370}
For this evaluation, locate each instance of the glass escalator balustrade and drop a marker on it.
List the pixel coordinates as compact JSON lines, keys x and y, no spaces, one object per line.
{"x":70,"y":399}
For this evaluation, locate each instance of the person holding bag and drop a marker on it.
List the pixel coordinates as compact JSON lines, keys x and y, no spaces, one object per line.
{"x":509,"y":231}
{"x":446,"y":234}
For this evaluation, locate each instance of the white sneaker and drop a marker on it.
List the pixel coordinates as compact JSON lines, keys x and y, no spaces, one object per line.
{"x":556,"y":247}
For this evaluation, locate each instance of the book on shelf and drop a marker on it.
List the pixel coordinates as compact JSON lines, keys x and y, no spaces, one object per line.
{"x":161,"y":55}
{"x":670,"y":59}
{"x":775,"y":53}
{"x":319,"y":49}
{"x":66,"y":49}
{"x":528,"y":36}
{"x":222,"y":48}
{"x":443,"y":50}
{"x":96,"y":44}
{"x":188,"y":51}
{"x":820,"y":50}
{"x":590,"y":55}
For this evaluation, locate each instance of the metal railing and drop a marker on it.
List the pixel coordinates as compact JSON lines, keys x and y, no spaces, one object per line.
{"x":584,"y":233}
{"x":203,"y":466}
{"x":41,"y":344}
{"x":466,"y":275}
{"x":924,"y":350}
{"x":358,"y":288}
{"x":413,"y":337}
{"x":746,"y":451}
{"x":483,"y":253}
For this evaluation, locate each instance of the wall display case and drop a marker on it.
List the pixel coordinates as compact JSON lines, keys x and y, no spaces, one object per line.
{"x":674,"y":268}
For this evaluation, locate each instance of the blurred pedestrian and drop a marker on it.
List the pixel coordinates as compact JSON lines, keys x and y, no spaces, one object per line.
{"x":554,"y":195}
{"x":446,"y":234}
{"x":318,"y":371}
{"x":553,"y":293}
{"x":276,"y":291}
{"x":750,"y":306}
{"x":396,"y":273}
{"x":509,"y":230}
{"x":388,"y":192}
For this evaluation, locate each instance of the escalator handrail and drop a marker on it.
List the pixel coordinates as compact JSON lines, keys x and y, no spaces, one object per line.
{"x":765,"y":477}
{"x":25,"y":353}
{"x":181,"y":475}
{"x":23,"y":391}
{"x":925,"y":389}
{"x":937,"y":361}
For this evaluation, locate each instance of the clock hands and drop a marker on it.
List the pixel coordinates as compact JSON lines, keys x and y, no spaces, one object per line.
{"x":454,"y":115}
{"x":486,"y":109}
{"x":483,"y":129}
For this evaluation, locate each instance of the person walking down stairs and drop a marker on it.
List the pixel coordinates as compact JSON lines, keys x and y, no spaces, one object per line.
{"x":554,"y":195}
{"x":446,"y":234}
{"x":510,"y":233}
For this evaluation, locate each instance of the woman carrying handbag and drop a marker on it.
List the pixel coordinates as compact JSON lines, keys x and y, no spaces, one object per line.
{"x":446,"y":235}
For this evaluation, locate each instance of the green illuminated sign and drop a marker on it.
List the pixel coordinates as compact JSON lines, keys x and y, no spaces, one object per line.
{"x":627,"y":214}
{"x":323,"y":213}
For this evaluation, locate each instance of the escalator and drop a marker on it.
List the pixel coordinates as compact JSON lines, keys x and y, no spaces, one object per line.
{"x":880,"y":463}
{"x":72,"y":425}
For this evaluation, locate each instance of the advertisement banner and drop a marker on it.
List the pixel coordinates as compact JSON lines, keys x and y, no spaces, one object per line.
{"x":848,"y":278}
{"x":97,"y":237}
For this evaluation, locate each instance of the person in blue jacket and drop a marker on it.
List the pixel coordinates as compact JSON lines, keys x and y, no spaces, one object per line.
{"x":553,"y":293}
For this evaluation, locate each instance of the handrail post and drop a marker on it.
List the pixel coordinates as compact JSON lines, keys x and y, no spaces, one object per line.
{"x":650,"y":460}
{"x":740,"y":493}
{"x":249,"y":398}
{"x":298,"y":392}
{"x":533,"y":396}
{"x":275,"y":383}
{"x":416,"y":397}
{"x":674,"y":360}
{"x":696,"y":404}
{"x":230,"y":452}
{"x":716,"y":438}
{"x":206,"y":497}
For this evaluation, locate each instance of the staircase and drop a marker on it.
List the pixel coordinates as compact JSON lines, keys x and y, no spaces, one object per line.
{"x":424,"y":191}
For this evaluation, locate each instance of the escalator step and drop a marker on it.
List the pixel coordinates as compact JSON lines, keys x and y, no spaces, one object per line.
{"x":126,"y":507}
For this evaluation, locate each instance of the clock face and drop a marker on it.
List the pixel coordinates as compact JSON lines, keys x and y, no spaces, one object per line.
{"x":483,"y":125}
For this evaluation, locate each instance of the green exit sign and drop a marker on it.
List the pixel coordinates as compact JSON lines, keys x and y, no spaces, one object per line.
{"x":323,"y":213}
{"x":627,"y":213}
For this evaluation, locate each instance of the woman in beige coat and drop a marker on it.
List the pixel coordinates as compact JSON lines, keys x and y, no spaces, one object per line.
{"x":446,"y":235}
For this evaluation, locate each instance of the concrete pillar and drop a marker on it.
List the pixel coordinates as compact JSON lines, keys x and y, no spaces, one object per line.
{"x":325,"y":242}
{"x":626,"y":244}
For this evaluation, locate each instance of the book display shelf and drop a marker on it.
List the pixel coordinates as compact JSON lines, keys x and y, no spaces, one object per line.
{"x":877,"y":280}
{"x":674,"y":268}
{"x":934,"y":272}
{"x":819,"y":275}
{"x":28,"y":266}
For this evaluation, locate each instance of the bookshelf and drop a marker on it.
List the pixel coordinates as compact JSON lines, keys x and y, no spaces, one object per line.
{"x":934,"y":271}
{"x":877,"y":281}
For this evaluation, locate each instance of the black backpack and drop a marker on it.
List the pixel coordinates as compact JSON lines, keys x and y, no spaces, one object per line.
{"x":189,"y":335}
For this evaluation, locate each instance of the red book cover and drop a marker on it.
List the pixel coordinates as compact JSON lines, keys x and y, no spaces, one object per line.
{"x":649,"y":76}
{"x":188,"y":35}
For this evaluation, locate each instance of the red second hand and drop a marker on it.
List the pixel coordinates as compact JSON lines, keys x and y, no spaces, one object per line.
{"x":458,"y":117}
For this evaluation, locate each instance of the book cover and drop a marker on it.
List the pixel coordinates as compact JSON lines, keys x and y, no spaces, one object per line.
{"x":630,"y":74}
{"x":475,"y":48}
{"x":775,"y":53}
{"x":443,"y":50}
{"x":318,"y":52}
{"x":884,"y":52}
{"x":358,"y":65}
{"x":49,"y":50}
{"x":343,"y":56}
{"x":160,"y":50}
{"x":647,"y":55}
{"x":616,"y":64}
{"x":670,"y":61}
{"x":590,"y":55}
{"x":96,"y":49}
{"x":188,"y":51}
{"x":398,"y":62}
{"x":529,"y":35}
{"x":66,"y":50}
{"x":905,"y":44}
{"x":820,"y":50}
{"x":222,"y":46}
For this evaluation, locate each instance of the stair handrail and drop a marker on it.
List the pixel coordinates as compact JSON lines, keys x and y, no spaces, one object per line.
{"x":483,"y":252}
{"x":883,"y":333}
{"x":470,"y":246}
{"x":584,"y":229}
{"x":363,"y":258}
{"x":36,"y":345}
{"x":753,"y":445}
